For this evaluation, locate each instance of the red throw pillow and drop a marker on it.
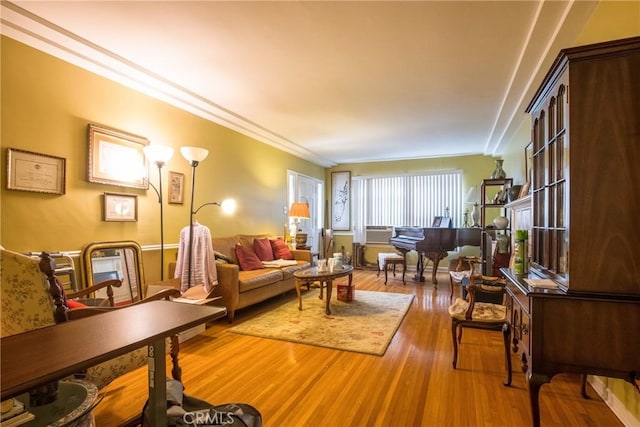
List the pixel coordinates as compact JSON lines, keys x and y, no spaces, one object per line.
{"x":75,"y":304}
{"x":262,"y":247}
{"x":280,"y":249}
{"x":247,"y":259}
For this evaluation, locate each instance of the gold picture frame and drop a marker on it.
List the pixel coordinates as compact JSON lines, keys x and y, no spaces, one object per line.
{"x":176,"y":188}
{"x":36,"y":172}
{"x":117,"y":158}
{"x":120,"y":207}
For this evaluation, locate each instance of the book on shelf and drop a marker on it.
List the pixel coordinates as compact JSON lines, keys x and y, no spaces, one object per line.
{"x":542,"y":283}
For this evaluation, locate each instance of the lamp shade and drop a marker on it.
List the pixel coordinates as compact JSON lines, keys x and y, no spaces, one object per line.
{"x":194,"y":154}
{"x":158,"y":154}
{"x":472,"y":195}
{"x":299,"y":210}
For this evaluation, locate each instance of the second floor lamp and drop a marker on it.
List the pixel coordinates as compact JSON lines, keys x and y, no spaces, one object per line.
{"x":160,"y":155}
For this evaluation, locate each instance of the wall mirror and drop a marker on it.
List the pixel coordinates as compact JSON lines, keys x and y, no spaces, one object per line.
{"x":114,"y":260}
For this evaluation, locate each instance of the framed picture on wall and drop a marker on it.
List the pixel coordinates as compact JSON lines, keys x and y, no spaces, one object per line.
{"x":116,"y":158}
{"x":176,"y":187}
{"x":341,"y":201}
{"x":120,"y":207}
{"x":40,"y":173}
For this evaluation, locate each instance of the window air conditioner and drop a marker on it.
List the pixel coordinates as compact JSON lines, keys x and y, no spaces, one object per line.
{"x":378,"y":234}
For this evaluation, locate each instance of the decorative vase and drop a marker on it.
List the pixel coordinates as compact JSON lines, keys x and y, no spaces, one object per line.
{"x":498,"y":173}
{"x":501,"y":222}
{"x":513,"y":192}
{"x":503,"y":243}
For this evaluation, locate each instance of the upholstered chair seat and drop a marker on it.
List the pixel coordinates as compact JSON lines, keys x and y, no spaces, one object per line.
{"x":483,"y":308}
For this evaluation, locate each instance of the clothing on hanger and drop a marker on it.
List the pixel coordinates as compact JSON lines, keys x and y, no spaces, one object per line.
{"x":203,"y":263}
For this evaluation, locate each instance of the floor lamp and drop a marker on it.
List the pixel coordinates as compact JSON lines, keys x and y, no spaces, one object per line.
{"x":159,"y":155}
{"x":194,"y":156}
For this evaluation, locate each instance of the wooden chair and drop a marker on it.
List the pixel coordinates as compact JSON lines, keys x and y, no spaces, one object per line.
{"x":461,"y":270}
{"x":483,"y":308}
{"x":30,"y":300}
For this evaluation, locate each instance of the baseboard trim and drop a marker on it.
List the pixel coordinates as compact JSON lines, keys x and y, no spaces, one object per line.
{"x":612,"y":401}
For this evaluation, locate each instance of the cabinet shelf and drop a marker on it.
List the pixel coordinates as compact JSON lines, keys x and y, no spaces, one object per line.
{"x":492,"y":258}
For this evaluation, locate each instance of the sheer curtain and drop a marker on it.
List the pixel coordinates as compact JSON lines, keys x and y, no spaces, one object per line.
{"x":406,"y":200}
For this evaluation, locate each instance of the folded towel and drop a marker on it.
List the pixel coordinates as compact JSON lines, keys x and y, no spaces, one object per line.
{"x":279,"y":263}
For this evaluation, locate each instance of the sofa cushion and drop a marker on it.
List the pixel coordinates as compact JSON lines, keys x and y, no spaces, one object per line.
{"x":220,"y":257}
{"x":280,"y":249}
{"x":263,"y":249}
{"x":248,"y":280}
{"x":248,"y":259}
{"x":287,"y":272}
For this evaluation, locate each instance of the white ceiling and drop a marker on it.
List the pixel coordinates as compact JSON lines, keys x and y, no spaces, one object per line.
{"x":331,"y":82}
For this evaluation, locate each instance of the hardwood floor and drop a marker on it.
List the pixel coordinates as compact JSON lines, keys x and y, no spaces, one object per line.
{"x":413,"y":384}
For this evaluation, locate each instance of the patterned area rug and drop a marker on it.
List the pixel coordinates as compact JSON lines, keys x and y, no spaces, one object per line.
{"x":365,"y":325}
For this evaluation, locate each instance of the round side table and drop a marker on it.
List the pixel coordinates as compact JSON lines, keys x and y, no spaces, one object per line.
{"x":72,"y":408}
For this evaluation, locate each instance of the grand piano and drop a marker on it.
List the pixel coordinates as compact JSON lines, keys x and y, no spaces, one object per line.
{"x":432,"y":243}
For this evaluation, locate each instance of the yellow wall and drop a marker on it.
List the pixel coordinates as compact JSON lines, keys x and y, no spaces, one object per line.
{"x":475,"y":169}
{"x":46,"y":106}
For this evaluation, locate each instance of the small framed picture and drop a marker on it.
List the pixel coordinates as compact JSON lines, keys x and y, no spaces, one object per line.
{"x":40,"y":173}
{"x":176,"y":187}
{"x":441,"y":222}
{"x":120,"y":207}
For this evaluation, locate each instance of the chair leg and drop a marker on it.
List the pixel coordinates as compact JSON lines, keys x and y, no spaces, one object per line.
{"x":386,"y":269}
{"x":454,"y":326}
{"x":451,"y":286}
{"x":506,"y":335}
{"x":176,"y":371}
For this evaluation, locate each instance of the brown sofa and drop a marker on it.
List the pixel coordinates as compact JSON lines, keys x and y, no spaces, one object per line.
{"x":239,"y":288}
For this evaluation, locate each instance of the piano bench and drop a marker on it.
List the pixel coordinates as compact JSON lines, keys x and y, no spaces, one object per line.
{"x":388,"y":259}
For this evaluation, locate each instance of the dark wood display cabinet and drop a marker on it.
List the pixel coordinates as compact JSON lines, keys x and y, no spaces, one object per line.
{"x":584,"y":225}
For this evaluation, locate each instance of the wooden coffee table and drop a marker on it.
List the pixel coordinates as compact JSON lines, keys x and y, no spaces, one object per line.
{"x":326,"y":277}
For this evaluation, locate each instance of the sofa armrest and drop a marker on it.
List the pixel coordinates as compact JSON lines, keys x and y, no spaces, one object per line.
{"x":228,"y":286}
{"x":302,"y":255}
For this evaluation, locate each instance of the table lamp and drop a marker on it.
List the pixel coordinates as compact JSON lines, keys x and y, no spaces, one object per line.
{"x":472,"y":198}
{"x":297,"y":212}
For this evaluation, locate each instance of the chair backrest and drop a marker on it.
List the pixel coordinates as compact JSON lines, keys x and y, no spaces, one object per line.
{"x":488,"y":289}
{"x":25,"y":303}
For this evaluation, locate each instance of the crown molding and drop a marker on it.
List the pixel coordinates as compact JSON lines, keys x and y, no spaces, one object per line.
{"x":30,"y":29}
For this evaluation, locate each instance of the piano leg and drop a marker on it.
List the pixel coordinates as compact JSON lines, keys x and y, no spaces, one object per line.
{"x":435,"y":257}
{"x":419,"y":277}
{"x":434,"y":280}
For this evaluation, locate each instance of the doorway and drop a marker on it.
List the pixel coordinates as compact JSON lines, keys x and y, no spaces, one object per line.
{"x":306,"y":189}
